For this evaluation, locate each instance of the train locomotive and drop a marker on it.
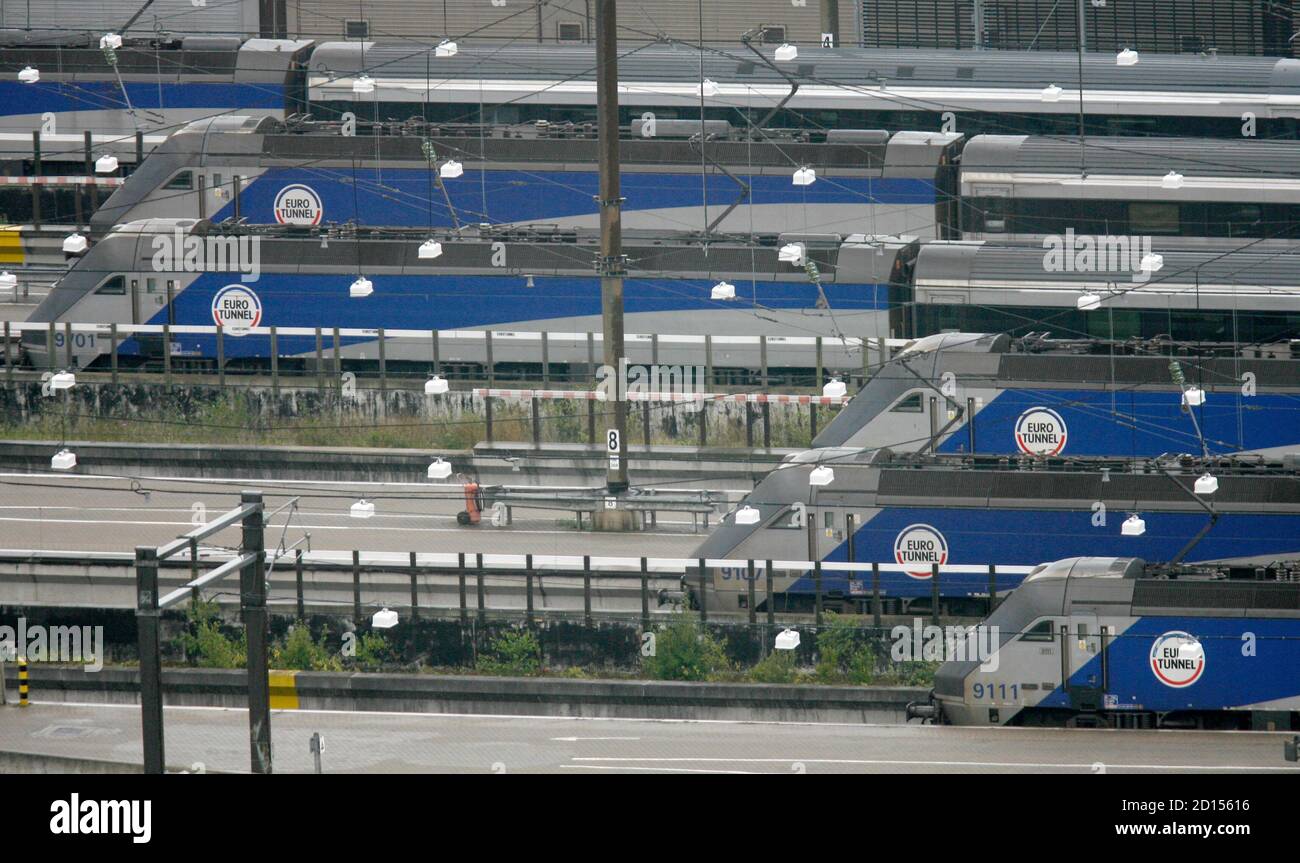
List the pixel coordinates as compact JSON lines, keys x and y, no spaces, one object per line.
{"x":1116,"y":642}
{"x":914,"y":514}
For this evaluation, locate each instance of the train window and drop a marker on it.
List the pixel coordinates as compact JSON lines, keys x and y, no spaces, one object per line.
{"x":909,"y":404}
{"x":216,"y":181}
{"x":113,"y":286}
{"x":789,"y":519}
{"x":828,"y":519}
{"x":1040,"y":631}
{"x":1149,"y":218}
{"x":356,"y":29}
{"x":182,"y":180}
{"x":151,"y":286}
{"x":568,"y":32}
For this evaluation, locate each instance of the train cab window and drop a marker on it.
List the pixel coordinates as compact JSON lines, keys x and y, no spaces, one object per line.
{"x":1150,"y":218}
{"x":789,"y":519}
{"x":1040,"y":631}
{"x":182,"y":180}
{"x":909,"y":404}
{"x":114,"y":286}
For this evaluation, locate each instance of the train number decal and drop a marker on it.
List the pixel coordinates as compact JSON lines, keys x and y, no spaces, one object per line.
{"x":1041,"y":431}
{"x":1177,"y":659}
{"x":918,"y":547}
{"x":298,"y":205}
{"x":236,"y":309}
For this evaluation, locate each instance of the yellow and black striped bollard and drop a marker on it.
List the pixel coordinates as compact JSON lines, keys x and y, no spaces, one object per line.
{"x":22,"y":681}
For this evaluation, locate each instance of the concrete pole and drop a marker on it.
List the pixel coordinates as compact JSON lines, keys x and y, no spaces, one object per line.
{"x":611,"y":265}
{"x":147,"y":623}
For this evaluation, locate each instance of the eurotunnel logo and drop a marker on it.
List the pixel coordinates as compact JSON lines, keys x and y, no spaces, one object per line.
{"x":298,"y":205}
{"x":1040,"y":431}
{"x":918,"y":548}
{"x":236,"y":309}
{"x":1177,"y":659}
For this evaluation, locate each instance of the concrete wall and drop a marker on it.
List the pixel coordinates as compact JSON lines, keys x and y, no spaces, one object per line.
{"x":494,"y":695}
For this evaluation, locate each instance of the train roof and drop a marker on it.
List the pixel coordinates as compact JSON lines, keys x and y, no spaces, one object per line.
{"x":856,"y":66}
{"x":184,"y":58}
{"x":1152,"y":157}
{"x":968,"y":269}
{"x":906,"y":79}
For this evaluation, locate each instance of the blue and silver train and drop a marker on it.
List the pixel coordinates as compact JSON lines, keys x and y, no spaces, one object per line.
{"x":914,"y":514}
{"x":1113,"y":642}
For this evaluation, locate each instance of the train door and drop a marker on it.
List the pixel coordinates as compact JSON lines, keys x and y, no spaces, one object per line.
{"x":1080,"y":655}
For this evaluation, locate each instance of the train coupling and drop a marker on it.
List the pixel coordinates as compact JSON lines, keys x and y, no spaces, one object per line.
{"x":1291,"y":749}
{"x":926,"y":711}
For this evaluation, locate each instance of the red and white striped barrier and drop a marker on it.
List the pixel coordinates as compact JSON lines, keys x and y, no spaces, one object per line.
{"x":599,"y":396}
{"x":61,"y":181}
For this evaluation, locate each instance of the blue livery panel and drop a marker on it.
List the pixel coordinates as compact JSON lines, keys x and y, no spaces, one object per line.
{"x":70,"y":96}
{"x":401,"y":196}
{"x":1135,"y":424}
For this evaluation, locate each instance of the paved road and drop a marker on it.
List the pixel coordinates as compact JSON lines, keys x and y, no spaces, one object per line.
{"x":85,"y":513}
{"x":382,"y":742}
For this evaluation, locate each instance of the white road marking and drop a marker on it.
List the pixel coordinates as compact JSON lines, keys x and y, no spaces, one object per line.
{"x":1110,"y":765}
{"x":652,"y":769}
{"x":576,"y":739}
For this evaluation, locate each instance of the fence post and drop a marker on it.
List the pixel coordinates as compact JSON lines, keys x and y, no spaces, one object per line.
{"x":437,"y":360}
{"x":338,"y":363}
{"x":383,"y":369}
{"x":297,"y":577}
{"x":356,"y":586}
{"x":817,"y":592}
{"x":487,"y":416}
{"x":771,"y":599}
{"x":708,"y":362}
{"x":275,"y":361}
{"x":9,"y":366}
{"x":821,"y":373}
{"x":460,"y":584}
{"x":704,"y":605}
{"x":478,"y":577}
{"x":586,"y":590}
{"x":993,"y":587}
{"x":221,"y":356}
{"x":112,"y":349}
{"x":704,"y":423}
{"x":67,"y":344}
{"x":875,"y":594}
{"x":749,"y":424}
{"x":167,"y":354}
{"x":645,"y":422}
{"x":812,"y":420}
{"x":546,"y":359}
{"x":415,"y":594}
{"x":320,"y":361}
{"x":51,"y":354}
{"x":528,"y":577}
{"x":750,"y":575}
{"x":195,"y":594}
{"x":252,"y":590}
{"x":536,"y":411}
{"x":645,"y":594}
{"x":934,"y":593}
{"x":491,"y":366}
{"x":591,"y":421}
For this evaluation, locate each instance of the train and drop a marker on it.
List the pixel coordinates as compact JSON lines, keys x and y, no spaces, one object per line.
{"x":178,"y":272}
{"x":981,"y":393}
{"x":915,"y":513}
{"x":449,"y":177}
{"x":989,"y":91}
{"x":930,"y":185}
{"x":1116,"y":642}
